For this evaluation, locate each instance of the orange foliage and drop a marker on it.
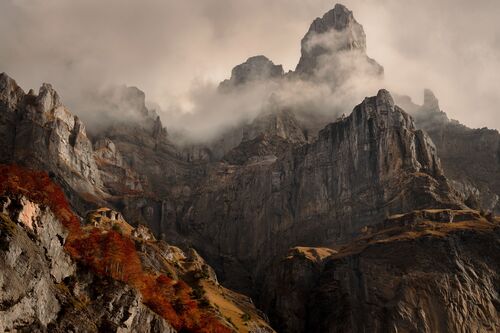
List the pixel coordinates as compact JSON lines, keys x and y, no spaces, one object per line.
{"x":111,"y":254}
{"x":39,"y":188}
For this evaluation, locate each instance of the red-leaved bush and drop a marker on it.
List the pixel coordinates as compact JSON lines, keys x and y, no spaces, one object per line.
{"x":112,"y":254}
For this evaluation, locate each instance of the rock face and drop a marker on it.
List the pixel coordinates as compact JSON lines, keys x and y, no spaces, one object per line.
{"x":470,"y":157}
{"x":116,"y":174}
{"x":59,"y":276}
{"x":256,"y":68}
{"x":242,"y":202}
{"x":365,"y":167}
{"x":279,"y":123}
{"x":413,"y":273}
{"x":334,"y":36}
{"x":288,"y":284}
{"x":46,"y":291}
{"x":41,"y":133}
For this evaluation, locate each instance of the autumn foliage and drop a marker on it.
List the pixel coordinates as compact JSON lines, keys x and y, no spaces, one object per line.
{"x":109,"y":253}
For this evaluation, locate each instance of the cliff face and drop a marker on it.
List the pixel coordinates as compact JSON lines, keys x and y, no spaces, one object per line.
{"x":470,"y":157}
{"x":413,"y":273}
{"x":360,"y":169}
{"x":273,"y":191}
{"x":267,"y":186}
{"x":41,"y":133}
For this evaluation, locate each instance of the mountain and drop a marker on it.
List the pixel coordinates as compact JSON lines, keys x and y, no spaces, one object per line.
{"x":101,"y":274}
{"x":470,"y":157}
{"x":335,"y":46}
{"x":368,"y":221}
{"x":425,"y":271}
{"x":367,"y":166}
{"x":254,"y":69}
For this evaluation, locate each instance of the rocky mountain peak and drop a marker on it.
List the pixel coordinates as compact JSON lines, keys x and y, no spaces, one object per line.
{"x":430,"y":101}
{"x":10,"y":92}
{"x":389,"y":133}
{"x":48,"y":99}
{"x":335,"y":32}
{"x":130,"y":100}
{"x":254,"y":69}
{"x":384,"y":98}
{"x":382,"y":107}
{"x":340,"y":18}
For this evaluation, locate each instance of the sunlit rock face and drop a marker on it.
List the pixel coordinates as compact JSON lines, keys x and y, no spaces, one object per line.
{"x":40,"y":132}
{"x":50,"y":292}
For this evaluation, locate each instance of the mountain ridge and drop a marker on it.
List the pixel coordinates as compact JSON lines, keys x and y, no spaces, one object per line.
{"x":321,"y":193}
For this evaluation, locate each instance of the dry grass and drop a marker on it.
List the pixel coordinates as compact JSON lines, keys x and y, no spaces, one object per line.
{"x":419,"y":229}
{"x":312,"y":253}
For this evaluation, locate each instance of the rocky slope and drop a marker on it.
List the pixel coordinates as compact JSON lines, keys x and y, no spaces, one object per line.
{"x":427,"y":271}
{"x":103,"y":275}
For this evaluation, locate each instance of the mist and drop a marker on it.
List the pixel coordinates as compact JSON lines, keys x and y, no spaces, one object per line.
{"x":178,"y":51}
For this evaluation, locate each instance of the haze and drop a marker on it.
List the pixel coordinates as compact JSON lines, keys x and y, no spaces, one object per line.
{"x":171,"y":48}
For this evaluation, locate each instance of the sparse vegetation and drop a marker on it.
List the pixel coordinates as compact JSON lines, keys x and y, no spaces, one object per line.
{"x":245,"y":317}
{"x":113,"y":254}
{"x":116,"y":227}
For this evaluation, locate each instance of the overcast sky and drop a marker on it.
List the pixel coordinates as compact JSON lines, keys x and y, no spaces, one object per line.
{"x":164,"y":47}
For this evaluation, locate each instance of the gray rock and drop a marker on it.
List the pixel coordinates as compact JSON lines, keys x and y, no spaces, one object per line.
{"x":256,"y":68}
{"x":336,"y":34}
{"x":415,"y":272}
{"x":41,"y":133}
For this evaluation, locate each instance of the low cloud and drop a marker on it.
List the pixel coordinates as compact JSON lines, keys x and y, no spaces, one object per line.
{"x":177,"y":52}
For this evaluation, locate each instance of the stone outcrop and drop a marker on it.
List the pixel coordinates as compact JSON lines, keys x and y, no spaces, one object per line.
{"x":288,"y":284}
{"x":418,"y":272}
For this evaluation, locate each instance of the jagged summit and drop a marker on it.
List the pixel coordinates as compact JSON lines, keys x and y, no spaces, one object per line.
{"x":253,"y":69}
{"x":340,"y":18}
{"x":378,"y":118}
{"x":48,"y":99}
{"x":10,"y":93}
{"x":335,"y":33}
{"x":430,"y":100}
{"x":384,"y":97}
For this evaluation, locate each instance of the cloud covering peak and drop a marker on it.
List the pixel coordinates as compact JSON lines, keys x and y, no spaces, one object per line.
{"x":170,"y":49}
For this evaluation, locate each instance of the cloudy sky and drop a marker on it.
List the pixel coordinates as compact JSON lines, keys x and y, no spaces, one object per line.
{"x":165,"y":47}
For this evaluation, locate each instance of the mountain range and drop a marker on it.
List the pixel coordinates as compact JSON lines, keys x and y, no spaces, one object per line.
{"x":377,"y":219}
